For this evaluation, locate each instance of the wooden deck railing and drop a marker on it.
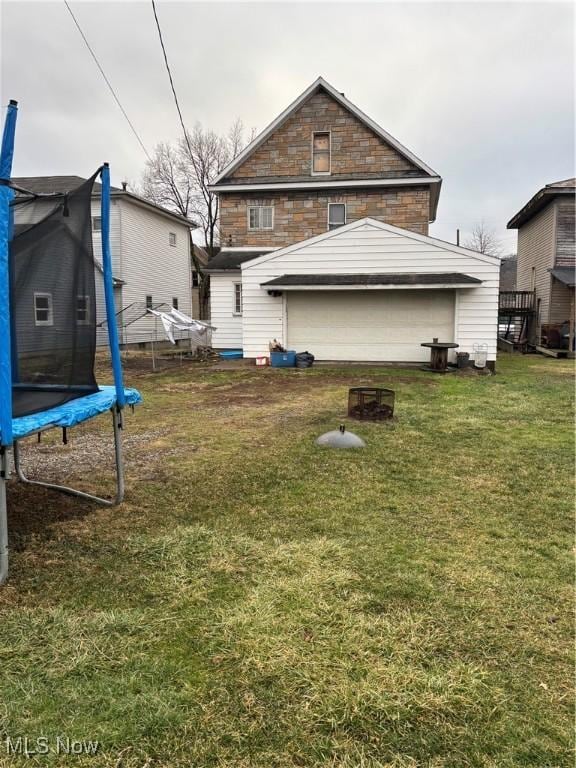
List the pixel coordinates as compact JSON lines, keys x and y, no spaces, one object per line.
{"x":516,"y":302}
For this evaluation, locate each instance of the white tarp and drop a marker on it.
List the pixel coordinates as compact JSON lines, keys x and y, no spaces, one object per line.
{"x":175,"y":320}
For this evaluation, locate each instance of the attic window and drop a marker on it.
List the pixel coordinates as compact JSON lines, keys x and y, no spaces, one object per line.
{"x":97,"y":224}
{"x":172,"y":238}
{"x":321,"y":152}
{"x":336,"y":215}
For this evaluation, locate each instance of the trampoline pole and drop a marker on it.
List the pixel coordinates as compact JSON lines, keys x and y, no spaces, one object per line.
{"x":6,"y":325}
{"x":120,"y":485}
{"x":109,"y":287}
{"x":4,"y":473}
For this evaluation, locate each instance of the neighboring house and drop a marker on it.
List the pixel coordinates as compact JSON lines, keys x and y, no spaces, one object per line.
{"x":324,"y":230}
{"x":508,"y":273}
{"x":546,"y":254}
{"x":150,"y":254}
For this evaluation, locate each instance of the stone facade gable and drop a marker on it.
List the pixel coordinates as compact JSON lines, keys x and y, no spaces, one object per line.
{"x":357,"y":152}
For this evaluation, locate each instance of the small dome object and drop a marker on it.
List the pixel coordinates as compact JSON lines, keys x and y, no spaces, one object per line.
{"x":340,"y":438}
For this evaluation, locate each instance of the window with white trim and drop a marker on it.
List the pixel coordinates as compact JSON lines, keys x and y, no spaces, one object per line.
{"x":43,"y":311}
{"x":149,"y":302}
{"x":175,"y":302}
{"x":321,"y":152}
{"x":237,"y":298}
{"x":172,"y":238}
{"x":336,"y":215}
{"x":82,"y":310}
{"x":260,"y":217}
{"x":96,"y":224}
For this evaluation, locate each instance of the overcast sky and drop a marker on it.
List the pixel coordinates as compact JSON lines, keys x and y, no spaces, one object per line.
{"x":482,"y":92}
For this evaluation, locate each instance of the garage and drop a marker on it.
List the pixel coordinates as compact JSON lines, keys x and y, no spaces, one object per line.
{"x":370,"y":292}
{"x":369,"y":325}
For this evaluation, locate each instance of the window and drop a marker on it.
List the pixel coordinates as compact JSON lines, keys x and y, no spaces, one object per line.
{"x":175,"y":302}
{"x":96,"y":224}
{"x":260,"y":217}
{"x":82,"y":310}
{"x":195,"y":279}
{"x":149,"y":304}
{"x":172,"y":238}
{"x":336,"y":215}
{"x":43,"y":314}
{"x":237,"y":298}
{"x":321,"y":152}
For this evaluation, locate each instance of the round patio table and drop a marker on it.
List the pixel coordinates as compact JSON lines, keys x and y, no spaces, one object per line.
{"x":438,"y":355}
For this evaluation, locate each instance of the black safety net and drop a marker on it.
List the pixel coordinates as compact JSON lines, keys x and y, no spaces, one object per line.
{"x":52,"y":300}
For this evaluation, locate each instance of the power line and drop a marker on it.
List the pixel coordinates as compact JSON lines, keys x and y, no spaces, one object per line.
{"x":108,"y":83}
{"x":185,"y":132}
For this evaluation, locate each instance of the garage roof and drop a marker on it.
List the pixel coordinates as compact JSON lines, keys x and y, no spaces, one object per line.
{"x":233,"y":259}
{"x":374,"y":280}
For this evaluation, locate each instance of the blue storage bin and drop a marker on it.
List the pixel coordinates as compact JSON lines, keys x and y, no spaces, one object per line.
{"x":283,"y":359}
{"x":232,"y":354}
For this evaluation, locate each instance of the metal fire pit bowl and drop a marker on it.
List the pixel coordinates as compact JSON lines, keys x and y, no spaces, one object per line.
{"x":371,"y":403}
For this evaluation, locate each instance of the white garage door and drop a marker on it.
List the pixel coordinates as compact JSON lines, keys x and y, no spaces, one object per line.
{"x":369,"y":325}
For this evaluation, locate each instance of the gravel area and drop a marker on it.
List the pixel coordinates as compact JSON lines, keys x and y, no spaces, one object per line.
{"x":87,"y":452}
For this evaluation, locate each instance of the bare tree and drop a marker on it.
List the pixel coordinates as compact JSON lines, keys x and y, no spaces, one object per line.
{"x":484,"y":240}
{"x":179,"y":175}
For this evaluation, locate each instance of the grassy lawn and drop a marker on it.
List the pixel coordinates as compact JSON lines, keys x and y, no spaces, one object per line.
{"x":260,"y":602}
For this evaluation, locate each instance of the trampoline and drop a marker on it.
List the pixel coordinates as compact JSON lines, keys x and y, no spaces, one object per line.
{"x":48,"y":304}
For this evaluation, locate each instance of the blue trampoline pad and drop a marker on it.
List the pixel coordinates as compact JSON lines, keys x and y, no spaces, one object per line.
{"x":73,"y":412}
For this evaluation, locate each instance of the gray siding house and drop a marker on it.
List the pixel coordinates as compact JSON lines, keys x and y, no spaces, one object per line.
{"x":547,"y":259}
{"x":150,"y":254}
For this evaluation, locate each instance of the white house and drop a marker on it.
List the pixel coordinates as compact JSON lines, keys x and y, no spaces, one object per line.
{"x":150,"y":254}
{"x":366,"y":291}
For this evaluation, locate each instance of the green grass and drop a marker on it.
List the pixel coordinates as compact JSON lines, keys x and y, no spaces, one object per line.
{"x":260,"y":602}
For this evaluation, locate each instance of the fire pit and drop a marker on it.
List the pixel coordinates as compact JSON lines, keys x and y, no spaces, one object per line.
{"x":370,"y":403}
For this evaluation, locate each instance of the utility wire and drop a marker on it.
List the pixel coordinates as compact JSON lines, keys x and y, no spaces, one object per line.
{"x":108,"y":83}
{"x":185,"y":132}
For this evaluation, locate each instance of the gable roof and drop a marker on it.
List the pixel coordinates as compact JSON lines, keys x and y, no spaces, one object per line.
{"x":59,"y":185}
{"x":540,"y":200}
{"x":317,"y":85}
{"x":374,"y":224}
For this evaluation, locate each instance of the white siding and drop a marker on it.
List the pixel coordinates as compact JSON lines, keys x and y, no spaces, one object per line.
{"x":149,"y":265}
{"x":228,"y":333}
{"x":365,"y":247}
{"x":115,"y":249}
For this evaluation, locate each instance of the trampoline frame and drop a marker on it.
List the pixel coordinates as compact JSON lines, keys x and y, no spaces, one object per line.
{"x":7,"y":441}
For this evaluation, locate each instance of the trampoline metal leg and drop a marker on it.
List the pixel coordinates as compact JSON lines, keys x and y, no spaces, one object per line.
{"x":119,"y":495}
{"x":4,"y":473}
